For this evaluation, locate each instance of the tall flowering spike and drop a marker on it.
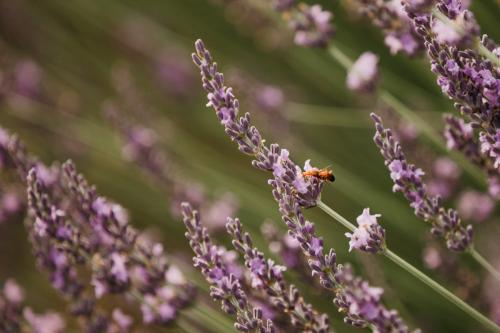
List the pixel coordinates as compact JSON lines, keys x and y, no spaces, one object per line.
{"x":369,"y":236}
{"x":268,"y":276}
{"x":293,"y":192}
{"x":407,"y":179}
{"x":460,"y":136}
{"x":268,"y":158}
{"x":466,"y":77}
{"x":354,"y":297}
{"x":124,"y":263}
{"x":224,"y":286}
{"x":363,"y":74}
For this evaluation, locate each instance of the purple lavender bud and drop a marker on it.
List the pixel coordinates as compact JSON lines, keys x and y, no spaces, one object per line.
{"x":312,"y":26}
{"x":363,"y":74}
{"x":490,"y":146}
{"x":460,"y":136}
{"x":389,"y":16}
{"x":224,"y":286}
{"x":268,"y":276}
{"x":407,"y":179}
{"x":369,"y":236}
{"x":468,"y":78}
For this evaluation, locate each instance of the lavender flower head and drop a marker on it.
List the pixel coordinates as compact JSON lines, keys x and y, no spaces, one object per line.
{"x":312,"y":25}
{"x":224,"y":286}
{"x":407,"y":179}
{"x":369,"y":236}
{"x":389,"y":16}
{"x":467,"y":77}
{"x":248,"y":138}
{"x":363,"y":74}
{"x":460,"y":136}
{"x":268,"y":276}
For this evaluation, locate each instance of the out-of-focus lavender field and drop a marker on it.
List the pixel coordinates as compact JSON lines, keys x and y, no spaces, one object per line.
{"x":111,"y":85}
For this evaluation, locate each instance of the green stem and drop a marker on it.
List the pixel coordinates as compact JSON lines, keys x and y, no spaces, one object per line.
{"x":416,"y":120}
{"x":340,"y":56}
{"x":441,"y":290}
{"x":483,"y":262}
{"x":418,"y":274}
{"x":425,"y":128}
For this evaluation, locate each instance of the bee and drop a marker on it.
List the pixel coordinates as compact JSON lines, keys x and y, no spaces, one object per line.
{"x":325,"y":174}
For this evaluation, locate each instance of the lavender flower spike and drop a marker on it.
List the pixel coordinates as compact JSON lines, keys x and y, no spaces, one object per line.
{"x":408,"y":180}
{"x":267,"y":158}
{"x":293,"y":192}
{"x":269,"y":277}
{"x":369,"y":236}
{"x":224,"y":286}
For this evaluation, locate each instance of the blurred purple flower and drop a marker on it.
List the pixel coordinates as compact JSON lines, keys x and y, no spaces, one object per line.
{"x":475,"y":206}
{"x":363,"y":74}
{"x":369,"y":236}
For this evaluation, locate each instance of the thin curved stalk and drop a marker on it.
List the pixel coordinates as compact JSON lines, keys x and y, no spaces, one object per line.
{"x":418,"y":274}
{"x":483,"y":262}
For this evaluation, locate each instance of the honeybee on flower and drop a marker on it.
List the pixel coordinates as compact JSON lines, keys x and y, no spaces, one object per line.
{"x":325,"y":174}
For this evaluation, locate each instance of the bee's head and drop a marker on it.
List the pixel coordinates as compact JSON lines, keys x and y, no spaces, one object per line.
{"x":331,"y":177}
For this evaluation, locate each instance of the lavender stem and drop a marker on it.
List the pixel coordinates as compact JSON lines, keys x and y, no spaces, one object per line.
{"x":425,"y":128}
{"x":483,"y":262}
{"x":418,"y":274}
{"x":412,"y":117}
{"x":441,"y":290}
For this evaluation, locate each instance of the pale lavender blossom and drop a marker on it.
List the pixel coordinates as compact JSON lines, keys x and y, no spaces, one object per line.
{"x":13,"y":292}
{"x":407,"y":179}
{"x":369,"y":236}
{"x":445,"y":175}
{"x":27,"y":79}
{"x":432,"y":257}
{"x":49,"y":322}
{"x":475,"y":206}
{"x":363,"y":74}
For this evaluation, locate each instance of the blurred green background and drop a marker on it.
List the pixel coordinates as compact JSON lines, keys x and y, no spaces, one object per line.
{"x":79,"y":44}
